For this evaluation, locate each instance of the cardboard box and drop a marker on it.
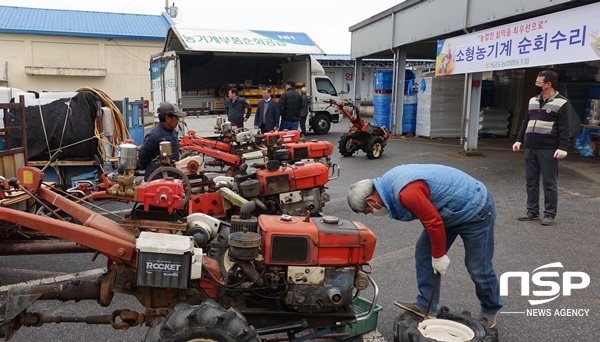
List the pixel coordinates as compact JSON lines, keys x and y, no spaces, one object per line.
{"x":219,"y":105}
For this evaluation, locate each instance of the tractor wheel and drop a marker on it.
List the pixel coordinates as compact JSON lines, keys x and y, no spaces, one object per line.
{"x":406,"y":328}
{"x":202,"y":323}
{"x":321,"y":123}
{"x":375,"y":147}
{"x":346,"y":146}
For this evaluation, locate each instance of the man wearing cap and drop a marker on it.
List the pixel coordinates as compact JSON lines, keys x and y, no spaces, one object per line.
{"x":149,"y":154}
{"x":291,"y":103}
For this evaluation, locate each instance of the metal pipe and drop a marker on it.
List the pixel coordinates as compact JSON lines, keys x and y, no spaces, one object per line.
{"x":284,"y":328}
{"x":89,"y":217}
{"x":97,"y":239}
{"x":464,"y":113}
{"x":373,"y":303}
{"x":466,"y":15}
{"x":38,"y":247}
{"x":79,"y":290}
{"x":394,"y":95}
{"x":467,"y":113}
{"x":393,"y":104}
{"x":38,"y":201}
{"x":96,"y":319}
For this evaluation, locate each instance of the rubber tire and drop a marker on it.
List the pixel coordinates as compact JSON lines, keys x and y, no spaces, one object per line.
{"x":343,"y":146}
{"x":321,"y":123}
{"x":205,"y":321}
{"x":375,"y":144}
{"x":405,"y":327}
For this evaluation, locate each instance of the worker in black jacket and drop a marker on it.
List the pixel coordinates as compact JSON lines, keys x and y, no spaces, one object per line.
{"x":291,"y":104}
{"x":235,"y":106}
{"x":165,"y":130}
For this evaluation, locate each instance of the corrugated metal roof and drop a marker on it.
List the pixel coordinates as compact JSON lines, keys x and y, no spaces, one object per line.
{"x":83,"y":23}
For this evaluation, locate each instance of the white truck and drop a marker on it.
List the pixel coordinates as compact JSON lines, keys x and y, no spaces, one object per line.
{"x":198,"y":66}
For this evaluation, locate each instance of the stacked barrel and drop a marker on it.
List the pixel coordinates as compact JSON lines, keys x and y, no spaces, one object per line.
{"x":382,"y":97}
{"x":409,"y":115}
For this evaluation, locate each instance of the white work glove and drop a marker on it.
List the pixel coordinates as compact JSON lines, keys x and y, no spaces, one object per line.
{"x":560,"y":154}
{"x":440,"y":264}
{"x":517,"y":146}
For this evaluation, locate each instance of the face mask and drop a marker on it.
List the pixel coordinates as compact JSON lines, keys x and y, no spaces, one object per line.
{"x":538,"y":90}
{"x":379,"y":212}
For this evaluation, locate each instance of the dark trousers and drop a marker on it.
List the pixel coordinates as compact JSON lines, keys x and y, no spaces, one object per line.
{"x":538,"y":161}
{"x":291,"y":125}
{"x":239,"y":124}
{"x":303,"y":124}
{"x":477,"y":235}
{"x":265,"y":129}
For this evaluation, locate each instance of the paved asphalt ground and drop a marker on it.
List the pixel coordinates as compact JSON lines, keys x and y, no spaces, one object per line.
{"x":520,"y":246}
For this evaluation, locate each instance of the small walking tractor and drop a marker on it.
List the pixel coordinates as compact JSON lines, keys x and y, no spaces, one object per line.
{"x":361,"y":135}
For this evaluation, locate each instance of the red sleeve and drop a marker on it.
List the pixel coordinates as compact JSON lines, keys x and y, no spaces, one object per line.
{"x":415,"y":197}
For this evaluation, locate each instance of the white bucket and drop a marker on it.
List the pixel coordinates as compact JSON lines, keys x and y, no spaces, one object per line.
{"x":445,"y":330}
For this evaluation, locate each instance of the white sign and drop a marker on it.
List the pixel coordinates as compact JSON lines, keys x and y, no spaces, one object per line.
{"x":254,"y":41}
{"x":564,"y":37}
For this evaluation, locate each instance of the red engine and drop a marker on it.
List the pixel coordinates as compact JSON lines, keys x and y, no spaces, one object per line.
{"x":292,"y":178}
{"x":323,"y":241}
{"x":161,"y":193}
{"x":308,"y":265}
{"x":309,"y":150}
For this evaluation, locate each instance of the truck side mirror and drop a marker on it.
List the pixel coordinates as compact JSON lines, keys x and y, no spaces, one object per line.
{"x":347,"y":91}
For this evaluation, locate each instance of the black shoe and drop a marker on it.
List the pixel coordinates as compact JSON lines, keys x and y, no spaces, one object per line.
{"x":547,"y":221}
{"x":529,"y":217}
{"x":414,"y":308}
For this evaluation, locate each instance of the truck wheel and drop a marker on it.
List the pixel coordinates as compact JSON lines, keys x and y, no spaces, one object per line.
{"x":205,"y":322}
{"x":346,"y":146}
{"x":375,"y":147}
{"x":321,"y":123}
{"x":406,"y":327}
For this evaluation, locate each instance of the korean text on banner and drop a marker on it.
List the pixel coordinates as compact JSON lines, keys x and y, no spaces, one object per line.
{"x":564,"y":37}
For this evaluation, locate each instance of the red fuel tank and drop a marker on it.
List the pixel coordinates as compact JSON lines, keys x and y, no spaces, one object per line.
{"x":310,"y":149}
{"x":285,"y":136}
{"x":323,"y":241}
{"x":292,"y":177}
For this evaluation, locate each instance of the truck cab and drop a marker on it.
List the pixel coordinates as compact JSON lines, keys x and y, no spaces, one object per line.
{"x":320,"y":90}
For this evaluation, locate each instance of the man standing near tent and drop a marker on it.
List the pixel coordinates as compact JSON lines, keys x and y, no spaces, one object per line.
{"x":291,"y":103}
